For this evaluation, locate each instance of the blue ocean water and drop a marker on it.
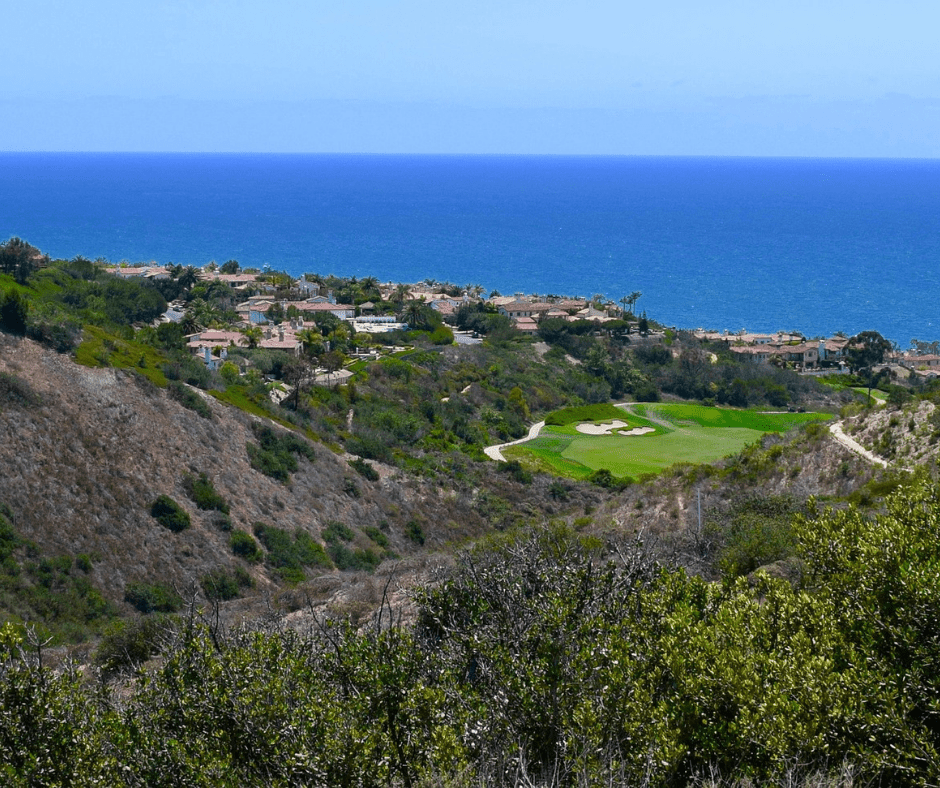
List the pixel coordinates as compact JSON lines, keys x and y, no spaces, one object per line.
{"x":799,"y":244}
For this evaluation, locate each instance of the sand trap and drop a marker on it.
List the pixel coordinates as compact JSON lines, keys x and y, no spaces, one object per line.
{"x":637,"y":431}
{"x":601,"y":429}
{"x":610,"y":427}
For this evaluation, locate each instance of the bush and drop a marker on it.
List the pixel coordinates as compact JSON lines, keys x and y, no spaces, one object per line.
{"x":514,"y":469}
{"x":170,"y":514}
{"x":189,"y":399}
{"x":244,"y":546}
{"x":153,"y":597}
{"x":376,"y":535}
{"x":276,"y":454}
{"x":336,"y":531}
{"x":414,"y":531}
{"x":203,"y":493}
{"x":127,"y":644}
{"x":364,"y":469}
{"x":289,"y":554}
{"x":220,"y":585}
{"x":355,"y":560}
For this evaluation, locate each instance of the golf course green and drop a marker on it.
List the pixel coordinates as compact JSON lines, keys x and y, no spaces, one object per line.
{"x":671,"y":433}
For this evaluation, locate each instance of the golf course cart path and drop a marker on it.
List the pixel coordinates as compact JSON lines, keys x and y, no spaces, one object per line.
{"x":496,"y":452}
{"x":854,"y":446}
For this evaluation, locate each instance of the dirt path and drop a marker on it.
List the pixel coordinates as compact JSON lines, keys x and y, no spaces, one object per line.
{"x":854,"y":446}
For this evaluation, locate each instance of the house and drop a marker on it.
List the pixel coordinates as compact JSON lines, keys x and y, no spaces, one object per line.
{"x":310,"y":307}
{"x":525,"y":324}
{"x":533,"y":309}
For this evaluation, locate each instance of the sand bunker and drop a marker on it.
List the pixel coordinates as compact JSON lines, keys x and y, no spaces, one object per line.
{"x":612,"y":426}
{"x":637,"y":431}
{"x":600,"y":429}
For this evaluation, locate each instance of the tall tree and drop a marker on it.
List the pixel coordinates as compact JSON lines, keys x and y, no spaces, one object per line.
{"x":864,"y":352}
{"x":17,"y":258}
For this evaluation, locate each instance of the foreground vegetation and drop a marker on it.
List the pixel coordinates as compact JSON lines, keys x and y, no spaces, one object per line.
{"x":543,"y":658}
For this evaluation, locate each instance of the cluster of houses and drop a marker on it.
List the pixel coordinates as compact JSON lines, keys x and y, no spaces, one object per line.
{"x":526,"y":314}
{"x":782,"y":347}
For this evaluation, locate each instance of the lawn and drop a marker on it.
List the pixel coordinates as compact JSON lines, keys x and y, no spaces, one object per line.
{"x":683,"y":433}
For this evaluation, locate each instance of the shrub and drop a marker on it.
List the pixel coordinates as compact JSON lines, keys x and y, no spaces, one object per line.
{"x":414,"y":531}
{"x":514,"y":469}
{"x":153,"y":597}
{"x":276,"y":454}
{"x":203,"y":493}
{"x":351,"y":488}
{"x":188,"y":399}
{"x":364,"y":469}
{"x":353,"y":559}
{"x":376,"y":535}
{"x":127,"y":644}
{"x":170,"y":514}
{"x":220,"y":585}
{"x":289,"y":554}
{"x":336,"y":531}
{"x":244,"y":546}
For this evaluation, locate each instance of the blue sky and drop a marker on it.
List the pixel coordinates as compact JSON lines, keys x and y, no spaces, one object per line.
{"x":728,"y":77}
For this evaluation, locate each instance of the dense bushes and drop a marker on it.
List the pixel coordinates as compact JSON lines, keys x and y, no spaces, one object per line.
{"x":203,"y":493}
{"x":289,"y":553}
{"x":541,"y":658}
{"x":153,"y":597}
{"x":170,"y":514}
{"x":276,"y":453}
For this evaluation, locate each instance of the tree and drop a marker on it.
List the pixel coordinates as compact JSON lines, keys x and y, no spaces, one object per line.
{"x":188,"y":277}
{"x":17,"y":258}
{"x":311,"y":340}
{"x":253,"y":336}
{"x":864,"y":352}
{"x":230,"y":267}
{"x":13,"y":310}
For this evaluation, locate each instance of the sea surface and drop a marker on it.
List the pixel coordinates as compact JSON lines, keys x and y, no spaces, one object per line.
{"x":814,"y":245}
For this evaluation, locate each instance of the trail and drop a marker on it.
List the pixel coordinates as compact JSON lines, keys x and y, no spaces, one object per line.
{"x":496,"y":452}
{"x":855,"y":446}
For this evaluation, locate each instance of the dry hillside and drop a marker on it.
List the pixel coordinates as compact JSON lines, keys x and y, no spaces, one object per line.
{"x":86,"y":451}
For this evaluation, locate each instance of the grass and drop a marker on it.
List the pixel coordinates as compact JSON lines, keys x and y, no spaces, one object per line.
{"x":683,"y":433}
{"x":100,"y":349}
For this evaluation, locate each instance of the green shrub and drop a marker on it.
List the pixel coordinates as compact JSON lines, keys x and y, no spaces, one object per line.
{"x":376,"y":535}
{"x":220,"y":585}
{"x":514,"y":469}
{"x":414,"y":531}
{"x":189,"y":399}
{"x":288,"y":554}
{"x":276,"y":454}
{"x":336,"y":531}
{"x":347,"y":559}
{"x":203,"y":493}
{"x":153,"y":597}
{"x":351,"y":488}
{"x":364,"y":469}
{"x":244,"y":546}
{"x":170,"y":514}
{"x":127,"y":644}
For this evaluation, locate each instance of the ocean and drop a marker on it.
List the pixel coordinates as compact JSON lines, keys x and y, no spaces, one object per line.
{"x":815,"y":245}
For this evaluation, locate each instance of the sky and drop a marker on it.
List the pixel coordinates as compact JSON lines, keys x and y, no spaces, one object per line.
{"x":673,"y":77}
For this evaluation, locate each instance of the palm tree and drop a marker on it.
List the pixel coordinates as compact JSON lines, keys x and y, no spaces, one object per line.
{"x":188,"y":277}
{"x":312,"y":341}
{"x":400,"y":293}
{"x":414,"y":313}
{"x":633,"y":298}
{"x":253,"y":336}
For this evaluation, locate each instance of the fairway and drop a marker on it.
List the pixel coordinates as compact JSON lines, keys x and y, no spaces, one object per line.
{"x":682,"y":433}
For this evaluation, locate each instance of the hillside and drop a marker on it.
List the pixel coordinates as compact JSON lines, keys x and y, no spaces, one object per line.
{"x":88,"y":450}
